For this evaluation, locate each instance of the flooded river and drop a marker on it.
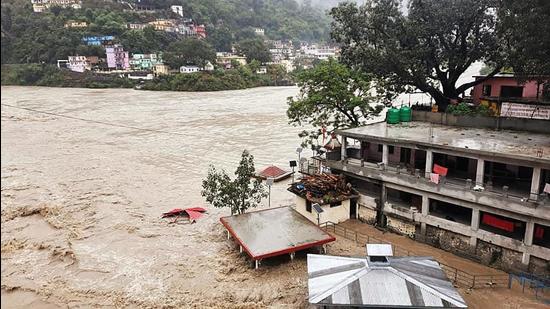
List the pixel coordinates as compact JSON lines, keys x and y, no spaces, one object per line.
{"x":82,"y":195}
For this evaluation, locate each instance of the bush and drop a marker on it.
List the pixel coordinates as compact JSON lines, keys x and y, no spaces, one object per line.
{"x":460,"y":109}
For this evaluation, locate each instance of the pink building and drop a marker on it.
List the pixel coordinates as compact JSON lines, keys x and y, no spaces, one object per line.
{"x":505,"y":86}
{"x":117,"y":58}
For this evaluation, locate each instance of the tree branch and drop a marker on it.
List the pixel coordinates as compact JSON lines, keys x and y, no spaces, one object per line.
{"x":465,"y":87}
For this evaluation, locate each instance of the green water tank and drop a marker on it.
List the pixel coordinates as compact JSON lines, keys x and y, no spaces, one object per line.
{"x":405,"y":114}
{"x":392,"y":116}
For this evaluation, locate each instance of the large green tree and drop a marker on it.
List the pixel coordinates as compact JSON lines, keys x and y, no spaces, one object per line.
{"x":524,"y":29}
{"x":254,"y":49}
{"x":189,"y":51}
{"x":333,"y":96}
{"x":238,"y":194}
{"x":427,"y":49}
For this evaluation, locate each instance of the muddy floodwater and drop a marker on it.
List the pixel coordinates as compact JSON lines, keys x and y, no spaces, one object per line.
{"x":82,"y":197}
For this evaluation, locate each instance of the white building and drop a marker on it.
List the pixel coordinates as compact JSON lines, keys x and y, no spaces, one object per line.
{"x":186,"y":69}
{"x":209,"y":66}
{"x":178,"y":9}
{"x":321,"y":53}
{"x":78,"y":63}
{"x":261,"y":70}
{"x":39,"y":6}
{"x":259,"y":31}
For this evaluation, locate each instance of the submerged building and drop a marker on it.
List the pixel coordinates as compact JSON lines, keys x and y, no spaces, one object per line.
{"x":476,"y":192}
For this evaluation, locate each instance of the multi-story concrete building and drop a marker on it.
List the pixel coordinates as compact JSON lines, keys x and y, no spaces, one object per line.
{"x":39,"y":6}
{"x":117,"y":58}
{"x":144,"y":62}
{"x":225,"y":60}
{"x":78,"y":64}
{"x":476,"y":192}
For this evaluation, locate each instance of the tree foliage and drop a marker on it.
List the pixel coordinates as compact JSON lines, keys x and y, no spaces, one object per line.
{"x":189,"y":51}
{"x":333,"y":96}
{"x":254,"y":49}
{"x":428,"y":49}
{"x":239,"y":194}
{"x":524,"y":29}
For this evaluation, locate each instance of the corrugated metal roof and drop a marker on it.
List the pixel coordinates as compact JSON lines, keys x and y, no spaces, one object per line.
{"x":407,"y":281}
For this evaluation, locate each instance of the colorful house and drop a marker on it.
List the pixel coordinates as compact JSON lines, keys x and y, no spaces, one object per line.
{"x":144,"y":62}
{"x":117,"y":58}
{"x":508,"y":97}
{"x":98,"y":40}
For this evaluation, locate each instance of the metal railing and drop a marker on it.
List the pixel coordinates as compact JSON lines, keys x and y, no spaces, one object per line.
{"x":455,"y":275}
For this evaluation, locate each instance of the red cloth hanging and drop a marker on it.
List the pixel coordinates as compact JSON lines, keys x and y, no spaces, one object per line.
{"x":539,"y":232}
{"x":438,"y":169}
{"x":498,"y":223}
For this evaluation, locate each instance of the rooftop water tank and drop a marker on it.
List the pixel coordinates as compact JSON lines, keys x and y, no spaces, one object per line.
{"x":392,"y":116}
{"x":405,"y":114}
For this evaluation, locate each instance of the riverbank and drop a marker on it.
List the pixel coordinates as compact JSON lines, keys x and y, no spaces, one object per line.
{"x":219,"y":80}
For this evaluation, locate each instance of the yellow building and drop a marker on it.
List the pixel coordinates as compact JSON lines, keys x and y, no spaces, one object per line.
{"x":76,"y":24}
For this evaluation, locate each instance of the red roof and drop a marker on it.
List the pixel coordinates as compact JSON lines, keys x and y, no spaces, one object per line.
{"x":272,"y":171}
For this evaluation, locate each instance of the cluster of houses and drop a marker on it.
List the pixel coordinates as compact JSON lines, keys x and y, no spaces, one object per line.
{"x":40,"y":6}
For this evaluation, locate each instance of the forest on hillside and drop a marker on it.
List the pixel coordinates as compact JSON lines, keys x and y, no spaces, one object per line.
{"x":28,"y":37}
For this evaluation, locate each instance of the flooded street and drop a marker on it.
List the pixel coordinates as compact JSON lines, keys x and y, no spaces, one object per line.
{"x":82,"y":198}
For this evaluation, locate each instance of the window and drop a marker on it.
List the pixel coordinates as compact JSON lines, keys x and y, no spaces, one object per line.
{"x":511,"y":91}
{"x":391,"y":149}
{"x":335,"y":204}
{"x":308,"y":206}
{"x":486,"y":90}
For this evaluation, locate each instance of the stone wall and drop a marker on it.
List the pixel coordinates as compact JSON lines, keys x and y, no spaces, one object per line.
{"x":499,"y":257}
{"x":539,"y":266}
{"x":366,"y":214}
{"x":401,"y":226}
{"x":448,"y":241}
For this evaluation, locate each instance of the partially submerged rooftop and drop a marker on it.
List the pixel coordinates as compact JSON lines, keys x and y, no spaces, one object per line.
{"x":404,"y":282}
{"x":323,"y":188}
{"x":274,"y":231}
{"x":528,"y":146}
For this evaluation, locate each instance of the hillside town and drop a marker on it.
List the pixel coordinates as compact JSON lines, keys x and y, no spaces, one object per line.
{"x":126,"y":63}
{"x":273,"y":168}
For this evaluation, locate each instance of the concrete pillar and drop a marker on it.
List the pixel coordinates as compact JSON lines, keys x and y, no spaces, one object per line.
{"x":425,"y":205}
{"x":535,"y":184}
{"x":383,"y":198}
{"x":344,"y":147}
{"x":480,"y":172}
{"x":429,"y":163}
{"x":257,"y":264}
{"x":385,"y":154}
{"x":474,"y":226}
{"x":292,"y":256}
{"x":528,"y":241}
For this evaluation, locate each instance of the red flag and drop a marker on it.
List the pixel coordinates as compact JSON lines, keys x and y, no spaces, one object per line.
{"x":438,"y":169}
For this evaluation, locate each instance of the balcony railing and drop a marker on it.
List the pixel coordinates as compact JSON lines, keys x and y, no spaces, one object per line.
{"x":447,"y":182}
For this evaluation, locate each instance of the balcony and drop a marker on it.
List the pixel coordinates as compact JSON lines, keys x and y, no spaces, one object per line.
{"x":454,"y":188}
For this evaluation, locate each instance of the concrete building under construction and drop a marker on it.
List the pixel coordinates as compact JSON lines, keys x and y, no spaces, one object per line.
{"x":476,"y":192}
